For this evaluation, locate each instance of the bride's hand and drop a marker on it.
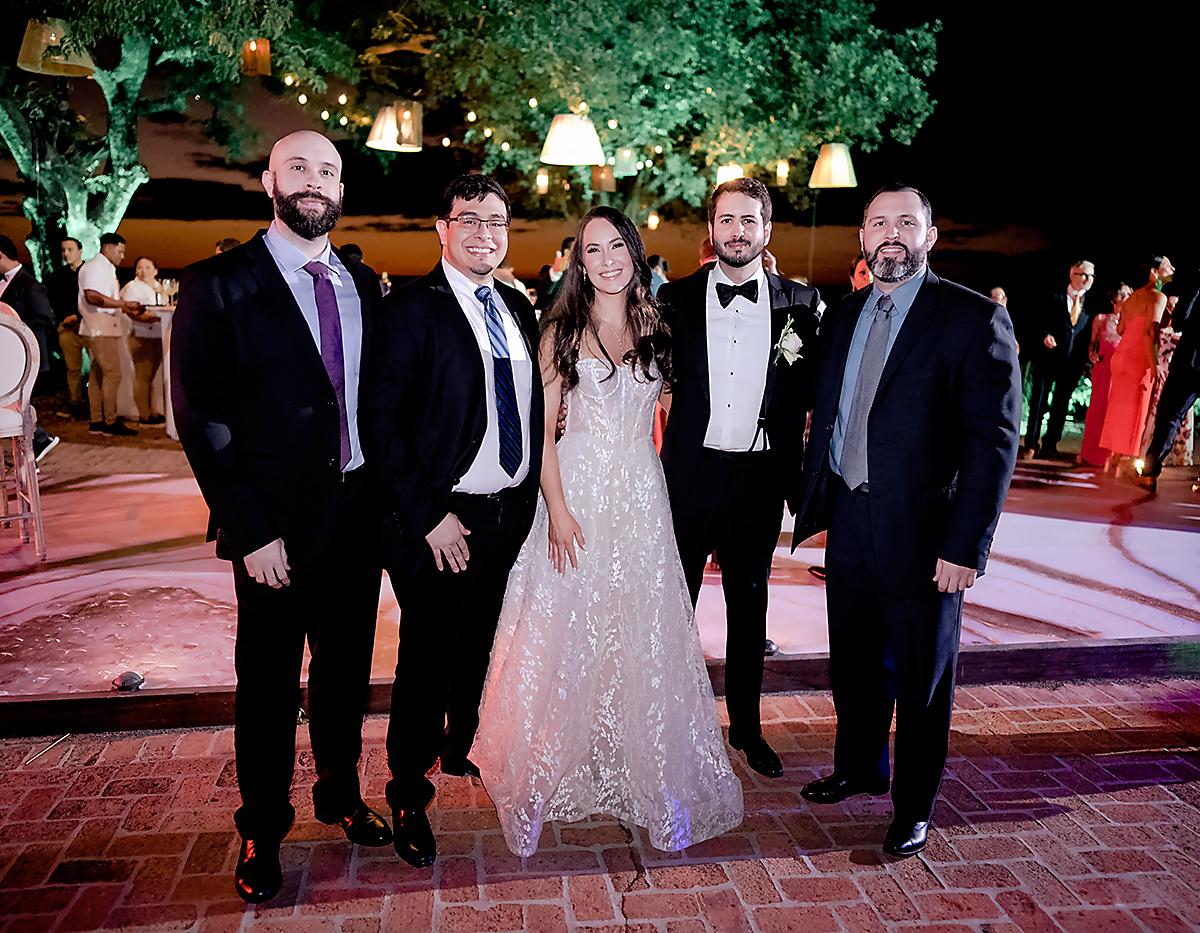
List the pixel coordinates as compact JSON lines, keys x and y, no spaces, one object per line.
{"x":565,"y":532}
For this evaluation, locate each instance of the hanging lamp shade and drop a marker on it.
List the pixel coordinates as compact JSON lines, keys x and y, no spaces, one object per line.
{"x":729,"y":172}
{"x":256,"y":58}
{"x":834,"y":168}
{"x":43,"y":54}
{"x":572,"y":140}
{"x":398,"y":127}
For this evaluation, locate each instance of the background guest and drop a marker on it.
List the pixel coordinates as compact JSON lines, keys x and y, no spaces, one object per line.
{"x":1059,"y":362}
{"x":1133,"y":366}
{"x":62,"y":287}
{"x":145,"y":341}
{"x":1104,"y":343}
{"x":860,"y":273}
{"x":1168,"y":341}
{"x":27,"y":299}
{"x":100,"y":306}
{"x":1174,"y":416}
{"x":225,"y":245}
{"x":659,"y":268}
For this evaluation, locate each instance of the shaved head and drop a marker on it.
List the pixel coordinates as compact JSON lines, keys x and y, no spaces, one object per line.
{"x":307,"y":144}
{"x":304,"y":180}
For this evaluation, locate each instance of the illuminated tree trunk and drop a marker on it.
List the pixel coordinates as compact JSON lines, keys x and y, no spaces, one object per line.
{"x":82,"y":193}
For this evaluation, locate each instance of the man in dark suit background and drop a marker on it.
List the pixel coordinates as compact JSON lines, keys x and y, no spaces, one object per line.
{"x":268,"y":354}
{"x":735,"y":434}
{"x":454,"y":425}
{"x":25,"y":295}
{"x":1179,"y":392}
{"x":913,"y":443}
{"x":1059,"y":350}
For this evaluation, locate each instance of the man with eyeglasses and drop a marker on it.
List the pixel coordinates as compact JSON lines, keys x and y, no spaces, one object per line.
{"x":1059,"y":359}
{"x":454,"y":421}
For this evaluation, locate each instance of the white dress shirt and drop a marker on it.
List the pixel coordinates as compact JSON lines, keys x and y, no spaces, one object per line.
{"x":486,"y":476}
{"x":291,"y":263}
{"x":137,"y":290}
{"x":739,"y":350}
{"x":99,"y":275}
{"x":8,"y":277}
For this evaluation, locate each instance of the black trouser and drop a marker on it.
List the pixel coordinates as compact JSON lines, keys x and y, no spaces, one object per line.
{"x":736,"y":509}
{"x":1062,"y":378}
{"x":332,"y":601}
{"x":887,"y":650}
{"x":447,"y":626}
{"x":1179,"y":394}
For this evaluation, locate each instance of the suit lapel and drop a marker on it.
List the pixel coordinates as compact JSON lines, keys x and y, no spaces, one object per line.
{"x":697,"y":302}
{"x":780,"y":305}
{"x":276,"y":299}
{"x":919,"y":317}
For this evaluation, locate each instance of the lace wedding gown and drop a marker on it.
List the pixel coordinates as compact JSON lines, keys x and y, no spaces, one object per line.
{"x":597,"y":698}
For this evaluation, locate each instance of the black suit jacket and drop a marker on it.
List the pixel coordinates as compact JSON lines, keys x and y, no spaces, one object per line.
{"x":1071,"y":350}
{"x":28,"y":298}
{"x":255,"y":409}
{"x":786,"y":392}
{"x":942,"y":435}
{"x":425,"y":409}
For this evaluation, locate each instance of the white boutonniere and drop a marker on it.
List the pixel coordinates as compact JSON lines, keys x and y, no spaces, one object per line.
{"x":789,"y":346}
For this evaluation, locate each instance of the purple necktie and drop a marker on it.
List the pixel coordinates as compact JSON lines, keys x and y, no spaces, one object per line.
{"x":332,"y":356}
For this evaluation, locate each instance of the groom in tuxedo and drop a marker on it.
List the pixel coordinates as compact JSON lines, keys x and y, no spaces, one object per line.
{"x":913,"y":442}
{"x":454,"y":422}
{"x":741,"y":339}
{"x":267,"y":356}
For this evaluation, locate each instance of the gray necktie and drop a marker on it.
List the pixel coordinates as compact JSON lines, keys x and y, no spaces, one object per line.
{"x":854,"y":450}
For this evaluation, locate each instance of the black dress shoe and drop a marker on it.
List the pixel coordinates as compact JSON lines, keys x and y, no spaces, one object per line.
{"x":906,"y":838}
{"x":460,"y":767}
{"x":770,"y":649}
{"x":414,"y":837}
{"x":258,"y":876}
{"x":835,"y":789}
{"x":363,"y":827}
{"x":760,"y":756}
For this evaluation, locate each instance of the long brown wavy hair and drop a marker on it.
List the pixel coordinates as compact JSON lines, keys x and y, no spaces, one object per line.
{"x":570,"y":317}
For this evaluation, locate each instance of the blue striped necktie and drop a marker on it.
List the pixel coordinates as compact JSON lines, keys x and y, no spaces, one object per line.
{"x":508,"y":416}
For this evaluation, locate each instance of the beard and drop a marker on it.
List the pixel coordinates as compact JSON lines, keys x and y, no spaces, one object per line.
{"x":304,"y":223}
{"x":890,"y":270}
{"x":750,"y":252}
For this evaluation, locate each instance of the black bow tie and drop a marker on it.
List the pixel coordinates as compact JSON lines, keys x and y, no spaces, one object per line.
{"x":726,"y":293}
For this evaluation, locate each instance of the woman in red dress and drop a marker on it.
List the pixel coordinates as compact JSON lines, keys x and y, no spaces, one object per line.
{"x":1133,"y":366}
{"x":1104,"y":343}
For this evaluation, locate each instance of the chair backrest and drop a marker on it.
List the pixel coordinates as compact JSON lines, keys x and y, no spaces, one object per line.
{"x":19,"y":359}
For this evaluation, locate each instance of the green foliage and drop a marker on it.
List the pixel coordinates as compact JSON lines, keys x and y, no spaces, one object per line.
{"x":748,"y":81}
{"x":83,"y":177}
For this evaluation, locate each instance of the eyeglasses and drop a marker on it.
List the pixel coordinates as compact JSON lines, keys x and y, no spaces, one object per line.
{"x":472,"y":223}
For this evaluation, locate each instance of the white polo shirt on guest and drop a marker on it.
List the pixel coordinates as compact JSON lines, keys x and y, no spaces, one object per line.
{"x":99,"y":275}
{"x":739,"y":349}
{"x":485,"y":475}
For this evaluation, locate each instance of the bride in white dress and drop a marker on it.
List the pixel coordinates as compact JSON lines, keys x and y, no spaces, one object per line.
{"x":597,"y":697}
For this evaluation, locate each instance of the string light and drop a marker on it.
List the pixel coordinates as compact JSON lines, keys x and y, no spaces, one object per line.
{"x":658,"y":150}
{"x":445,"y":140}
{"x":487,"y":133}
{"x":303,"y":98}
{"x":470,"y":116}
{"x":504,"y":147}
{"x":344,"y":120}
{"x":612,"y":124}
{"x":342,"y":98}
{"x":324,"y":114}
{"x":289,"y":80}
{"x":533,"y":103}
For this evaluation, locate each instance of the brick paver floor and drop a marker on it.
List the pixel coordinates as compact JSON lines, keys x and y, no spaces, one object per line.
{"x":1069,"y":807}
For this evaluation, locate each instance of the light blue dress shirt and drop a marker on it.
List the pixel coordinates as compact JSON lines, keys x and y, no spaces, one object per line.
{"x":291,"y":263}
{"x":902,"y":298}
